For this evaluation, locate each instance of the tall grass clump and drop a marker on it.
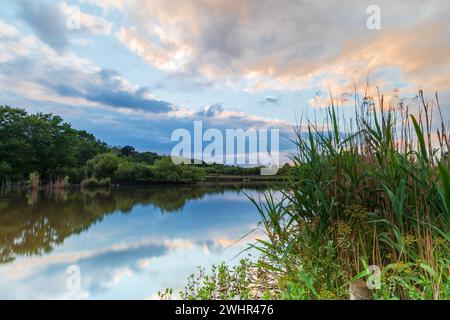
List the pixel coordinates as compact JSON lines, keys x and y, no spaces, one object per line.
{"x":59,"y":183}
{"x":373,"y":191}
{"x":34,"y":181}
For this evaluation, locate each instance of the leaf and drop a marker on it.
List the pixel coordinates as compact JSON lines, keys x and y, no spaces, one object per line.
{"x":429,"y":270}
{"x":445,"y":180}
{"x":421,"y":139}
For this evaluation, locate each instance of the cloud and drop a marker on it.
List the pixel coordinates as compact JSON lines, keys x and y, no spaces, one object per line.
{"x":101,"y":100}
{"x":49,"y":21}
{"x":270,"y":100}
{"x":289,"y":44}
{"x":49,"y":27}
{"x":31,"y":69}
{"x":105,"y":4}
{"x":211,"y":110}
{"x":109,"y":88}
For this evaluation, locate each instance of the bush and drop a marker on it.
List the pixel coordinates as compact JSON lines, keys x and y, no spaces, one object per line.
{"x":94,"y":183}
{"x":126,"y":172}
{"x":105,"y":165}
{"x":167,"y":171}
{"x":144,"y":174}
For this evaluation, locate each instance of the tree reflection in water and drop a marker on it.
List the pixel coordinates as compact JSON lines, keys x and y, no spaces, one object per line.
{"x":35,"y":223}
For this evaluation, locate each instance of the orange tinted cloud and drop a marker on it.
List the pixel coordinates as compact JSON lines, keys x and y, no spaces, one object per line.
{"x":258,"y":45}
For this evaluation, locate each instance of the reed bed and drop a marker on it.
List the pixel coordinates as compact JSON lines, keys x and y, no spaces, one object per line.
{"x":368,"y":200}
{"x":364,"y":215}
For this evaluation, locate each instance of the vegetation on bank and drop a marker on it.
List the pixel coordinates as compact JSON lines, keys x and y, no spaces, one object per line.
{"x":38,"y":149}
{"x":366,"y":208}
{"x":44,"y":145}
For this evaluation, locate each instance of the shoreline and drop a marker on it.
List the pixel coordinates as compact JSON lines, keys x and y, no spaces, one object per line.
{"x":211,"y":181}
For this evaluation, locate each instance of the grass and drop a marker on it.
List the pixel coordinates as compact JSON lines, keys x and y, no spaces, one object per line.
{"x":368,"y":200}
{"x":376,"y":196}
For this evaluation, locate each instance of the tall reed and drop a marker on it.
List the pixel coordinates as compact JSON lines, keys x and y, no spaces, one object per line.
{"x":371,"y":191}
{"x":34,"y":181}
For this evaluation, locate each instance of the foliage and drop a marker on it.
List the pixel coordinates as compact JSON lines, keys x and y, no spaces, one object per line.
{"x":167,"y":171}
{"x":377,"y":195}
{"x":42,"y":143}
{"x":34,"y":180}
{"x":127,"y":171}
{"x":93,"y":183}
{"x":104,"y":165}
{"x":45,"y":145}
{"x":224,"y":283}
{"x":221,"y":169}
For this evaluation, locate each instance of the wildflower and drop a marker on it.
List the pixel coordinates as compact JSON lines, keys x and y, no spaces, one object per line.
{"x":409,"y":240}
{"x":343,"y":229}
{"x":356,"y":212}
{"x":327,"y":295}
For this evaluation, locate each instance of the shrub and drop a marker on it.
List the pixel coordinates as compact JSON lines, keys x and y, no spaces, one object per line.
{"x":126,"y":172}
{"x":105,"y":165}
{"x":93,"y":183}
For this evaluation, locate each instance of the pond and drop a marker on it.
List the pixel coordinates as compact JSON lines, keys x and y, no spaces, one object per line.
{"x":124,"y":243}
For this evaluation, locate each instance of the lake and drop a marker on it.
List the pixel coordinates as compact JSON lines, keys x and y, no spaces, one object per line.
{"x":126,"y":243}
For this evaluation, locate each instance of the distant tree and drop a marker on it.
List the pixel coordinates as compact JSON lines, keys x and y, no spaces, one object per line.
{"x":147,"y":157}
{"x":48,"y":147}
{"x":127,"y":151}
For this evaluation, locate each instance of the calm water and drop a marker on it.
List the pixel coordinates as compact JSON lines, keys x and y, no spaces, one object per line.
{"x":128,"y":243}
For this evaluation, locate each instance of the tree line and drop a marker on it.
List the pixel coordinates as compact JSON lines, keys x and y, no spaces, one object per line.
{"x":45,"y":147}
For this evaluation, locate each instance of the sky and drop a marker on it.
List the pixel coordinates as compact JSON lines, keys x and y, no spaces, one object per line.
{"x":132,"y":72}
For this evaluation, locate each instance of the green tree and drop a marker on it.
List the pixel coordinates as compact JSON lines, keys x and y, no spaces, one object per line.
{"x":105,"y":165}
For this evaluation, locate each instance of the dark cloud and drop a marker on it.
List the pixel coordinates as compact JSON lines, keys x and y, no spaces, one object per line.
{"x":211,"y":110}
{"x":106,"y":87}
{"x":47,"y":21}
{"x":270,"y":100}
{"x":226,"y":47}
{"x":125,"y":99}
{"x":160,"y":131}
{"x":109,"y":91}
